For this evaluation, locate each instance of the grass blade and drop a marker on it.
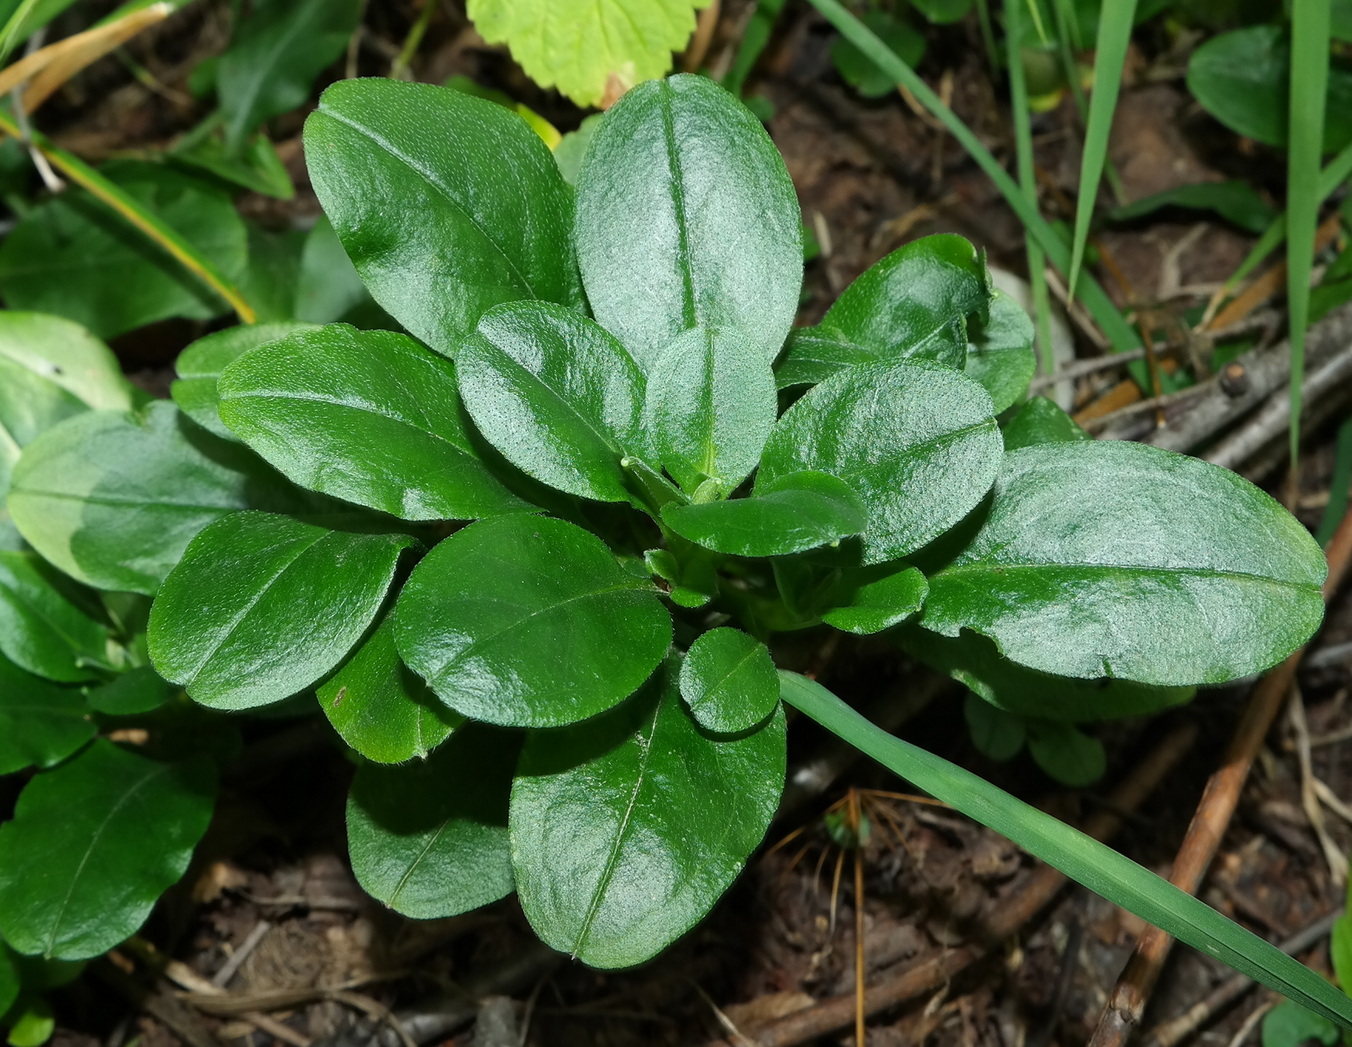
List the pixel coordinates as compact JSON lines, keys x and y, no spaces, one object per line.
{"x":1095,"y":299}
{"x":1096,"y":866}
{"x":1309,"y":83}
{"x":1114,"y":34}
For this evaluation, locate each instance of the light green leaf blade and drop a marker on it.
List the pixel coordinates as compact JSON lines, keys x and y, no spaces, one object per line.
{"x":625,"y":831}
{"x":40,"y":724}
{"x":1000,"y":352}
{"x":429,"y":839}
{"x":380,"y":707}
{"x":1096,"y":866}
{"x":711,"y":405}
{"x":557,"y":395}
{"x":67,"y":355}
{"x":728,"y":681}
{"x":1122,"y":560}
{"x":918,"y":443}
{"x":870,"y":605}
{"x":431,"y":223}
{"x":524,"y":621}
{"x":686,"y":217}
{"x":92,"y":846}
{"x":299,"y":598}
{"x":42,"y":626}
{"x":793,"y":513}
{"x":578,"y":45}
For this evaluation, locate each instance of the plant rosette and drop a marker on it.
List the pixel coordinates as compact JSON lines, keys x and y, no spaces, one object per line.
{"x":552,"y":527}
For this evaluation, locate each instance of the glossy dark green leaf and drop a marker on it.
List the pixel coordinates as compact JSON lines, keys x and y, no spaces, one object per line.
{"x":261,"y":606}
{"x":66,"y":355}
{"x":529,"y":622}
{"x":131,"y":693}
{"x":42,"y":627}
{"x":73,"y":257}
{"x":729,"y":681}
{"x":441,"y":226}
{"x":429,"y":839}
{"x":200,"y":365}
{"x":380,"y":707}
{"x":686,"y":217}
{"x":711,"y":405}
{"x":1243,"y":79}
{"x":998,"y":735}
{"x":1117,"y":559}
{"x":113,"y":499}
{"x":792,"y":513}
{"x":274,"y":57}
{"x":368,"y":416}
{"x":1041,"y":421}
{"x":915,"y":302}
{"x":814,"y":354}
{"x":40,"y":723}
{"x":975,"y":662}
{"x":557,"y":395}
{"x":862,"y":74}
{"x":1239,"y":203}
{"x":626,"y":830}
{"x":874,"y":604}
{"x":1066,"y":753}
{"x":93,"y":844}
{"x":917,"y":443}
{"x":1000,"y":351}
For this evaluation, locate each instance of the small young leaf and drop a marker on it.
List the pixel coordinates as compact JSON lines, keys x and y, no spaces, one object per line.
{"x":814,"y":354}
{"x":92,"y":846}
{"x":382,"y":708}
{"x":1122,"y":560}
{"x":113,"y":499}
{"x":1291,"y":1025}
{"x":729,"y":682}
{"x":1239,"y":203}
{"x":131,"y":693}
{"x":40,"y":724}
{"x":526,"y":621}
{"x":201,"y":363}
{"x":998,"y":735}
{"x":686,"y":217}
{"x":557,"y":395}
{"x":67,"y":355}
{"x":875,"y":604}
{"x":42,"y":629}
{"x":298,"y":598}
{"x":862,"y":74}
{"x":918,"y":443}
{"x":1000,"y":351}
{"x":368,"y":416}
{"x":915,"y":302}
{"x":1041,"y":421}
{"x":441,"y":226}
{"x":799,"y":511}
{"x":429,"y":839}
{"x":1066,"y":753}
{"x":711,"y":405}
{"x":626,"y":830}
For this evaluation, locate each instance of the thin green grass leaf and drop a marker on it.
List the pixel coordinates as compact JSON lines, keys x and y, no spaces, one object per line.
{"x":1093,"y":864}
{"x":983,"y":11}
{"x":1114,"y":34}
{"x":1338,"y":486}
{"x":1095,"y":299}
{"x":1310,"y":30}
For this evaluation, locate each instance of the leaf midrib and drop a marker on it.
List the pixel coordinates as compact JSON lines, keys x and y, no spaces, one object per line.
{"x":989,"y":567}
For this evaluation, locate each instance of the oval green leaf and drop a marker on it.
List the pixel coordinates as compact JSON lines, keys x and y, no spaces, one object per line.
{"x":1000,"y":351}
{"x":92,"y":846}
{"x":711,"y":405}
{"x":526,"y":621}
{"x":429,"y":839}
{"x":261,"y":606}
{"x":42,"y":627}
{"x":729,"y":681}
{"x":441,"y":226}
{"x":918,"y":443}
{"x":1066,"y":753}
{"x":380,"y":707}
{"x":800,"y":511}
{"x":67,"y":355}
{"x":1041,"y":421}
{"x":869,"y":605}
{"x":368,"y":416}
{"x":686,"y":217}
{"x":915,"y":302}
{"x":627,"y":830}
{"x":557,"y":395}
{"x":1121,"y":560}
{"x":40,"y":724}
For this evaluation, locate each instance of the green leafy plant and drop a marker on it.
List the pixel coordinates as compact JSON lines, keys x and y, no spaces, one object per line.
{"x":535,"y":563}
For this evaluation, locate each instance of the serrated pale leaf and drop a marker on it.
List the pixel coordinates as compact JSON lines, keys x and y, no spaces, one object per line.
{"x":917,"y":443}
{"x":686,"y":218}
{"x":626,"y":830}
{"x":1122,"y":560}
{"x":261,"y":606}
{"x":529,"y":622}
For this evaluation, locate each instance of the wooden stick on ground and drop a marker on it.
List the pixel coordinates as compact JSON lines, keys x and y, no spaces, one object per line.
{"x":1127,"y":1002}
